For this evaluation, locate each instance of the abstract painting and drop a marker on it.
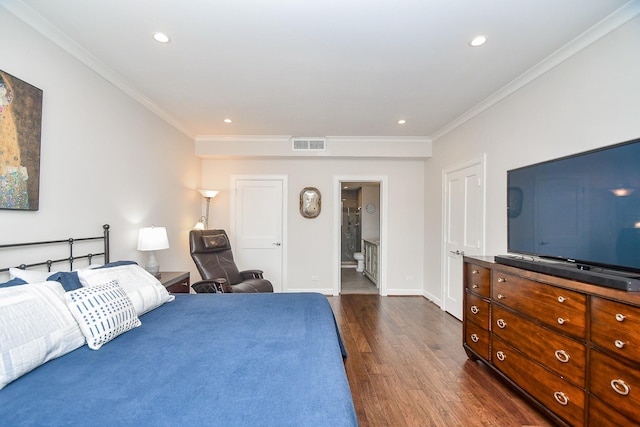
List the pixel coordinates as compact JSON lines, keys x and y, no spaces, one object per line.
{"x":20,"y":132}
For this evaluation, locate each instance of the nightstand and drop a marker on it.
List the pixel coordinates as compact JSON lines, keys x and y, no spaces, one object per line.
{"x":176,"y":282}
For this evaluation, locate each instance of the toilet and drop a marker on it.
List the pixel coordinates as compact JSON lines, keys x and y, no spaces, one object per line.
{"x":359,"y":256}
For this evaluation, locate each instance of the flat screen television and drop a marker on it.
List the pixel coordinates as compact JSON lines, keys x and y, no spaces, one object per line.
{"x":582,"y":211}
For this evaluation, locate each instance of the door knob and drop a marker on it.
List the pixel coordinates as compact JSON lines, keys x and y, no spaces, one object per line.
{"x":277,"y":243}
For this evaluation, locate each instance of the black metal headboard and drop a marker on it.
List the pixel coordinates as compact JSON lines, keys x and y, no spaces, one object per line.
{"x":71,"y":258}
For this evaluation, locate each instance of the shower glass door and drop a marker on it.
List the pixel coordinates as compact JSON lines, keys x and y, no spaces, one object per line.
{"x":351,"y":228}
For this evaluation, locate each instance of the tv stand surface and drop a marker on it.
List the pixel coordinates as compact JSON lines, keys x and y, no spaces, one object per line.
{"x":606,"y":278}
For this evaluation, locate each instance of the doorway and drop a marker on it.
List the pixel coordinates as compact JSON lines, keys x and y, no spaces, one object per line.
{"x":359,"y":221}
{"x":258,"y":215}
{"x":463,"y":227}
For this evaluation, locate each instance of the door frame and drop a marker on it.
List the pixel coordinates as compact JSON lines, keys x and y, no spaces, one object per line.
{"x":285,"y":198}
{"x":337,"y":222}
{"x":481,"y":161}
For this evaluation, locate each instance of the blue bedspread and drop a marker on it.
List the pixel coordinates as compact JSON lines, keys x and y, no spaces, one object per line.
{"x":206,"y":359}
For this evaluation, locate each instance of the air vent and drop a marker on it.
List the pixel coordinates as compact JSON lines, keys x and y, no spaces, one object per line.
{"x":309,"y":144}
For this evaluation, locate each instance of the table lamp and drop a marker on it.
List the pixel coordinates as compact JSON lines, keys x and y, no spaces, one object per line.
{"x":153,"y":239}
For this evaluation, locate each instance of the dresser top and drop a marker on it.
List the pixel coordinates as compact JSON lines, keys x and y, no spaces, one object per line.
{"x":628,"y":297}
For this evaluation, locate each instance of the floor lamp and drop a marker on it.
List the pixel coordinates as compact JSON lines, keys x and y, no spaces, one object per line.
{"x":207,"y":194}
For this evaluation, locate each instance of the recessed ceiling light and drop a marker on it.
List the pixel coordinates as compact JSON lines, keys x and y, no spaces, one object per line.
{"x":402,"y":121}
{"x":227,"y":120}
{"x":478,"y":41}
{"x":161,"y":37}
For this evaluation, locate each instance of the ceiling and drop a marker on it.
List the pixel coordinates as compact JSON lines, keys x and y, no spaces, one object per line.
{"x":312,"y":67}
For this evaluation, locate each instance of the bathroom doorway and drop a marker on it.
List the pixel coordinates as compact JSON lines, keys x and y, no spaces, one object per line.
{"x":360,"y":237}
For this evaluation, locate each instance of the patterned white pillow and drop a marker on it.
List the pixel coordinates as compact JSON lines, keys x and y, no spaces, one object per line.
{"x":103,"y":312}
{"x":35,"y":327}
{"x":146,"y":292}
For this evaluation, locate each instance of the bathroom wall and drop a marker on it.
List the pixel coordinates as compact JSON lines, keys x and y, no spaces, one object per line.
{"x":370,"y":219}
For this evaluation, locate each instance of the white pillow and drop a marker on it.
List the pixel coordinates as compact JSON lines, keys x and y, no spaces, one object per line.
{"x":146,"y":292}
{"x":88,"y":267}
{"x":103,"y":312}
{"x":34,"y":276}
{"x":35,"y":327}
{"x":29,"y":276}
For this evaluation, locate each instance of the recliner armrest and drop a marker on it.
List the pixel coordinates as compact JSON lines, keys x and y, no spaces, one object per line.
{"x":211,"y":286}
{"x":251,"y":274}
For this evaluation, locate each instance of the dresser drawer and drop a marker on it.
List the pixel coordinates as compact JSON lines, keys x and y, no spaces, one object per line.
{"x":559,"y":353}
{"x":559,"y":396}
{"x":615,"y":383}
{"x":558,"y":308}
{"x":601,"y":414}
{"x":476,"y":310}
{"x":478,"y":339}
{"x":616,"y":327}
{"x":478,"y":279}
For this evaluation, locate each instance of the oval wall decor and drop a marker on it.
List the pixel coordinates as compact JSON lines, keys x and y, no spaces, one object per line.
{"x":310,"y":202}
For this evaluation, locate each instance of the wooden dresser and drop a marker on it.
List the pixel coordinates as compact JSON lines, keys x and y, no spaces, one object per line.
{"x":572,"y":348}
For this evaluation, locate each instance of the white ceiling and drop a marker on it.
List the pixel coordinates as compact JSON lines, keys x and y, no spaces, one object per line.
{"x":313,"y":67}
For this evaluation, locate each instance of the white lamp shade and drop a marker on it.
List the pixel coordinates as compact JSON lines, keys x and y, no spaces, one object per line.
{"x":153,"y":239}
{"x":209,"y":193}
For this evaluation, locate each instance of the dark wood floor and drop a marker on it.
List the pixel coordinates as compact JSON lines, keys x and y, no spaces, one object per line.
{"x":406,"y":367}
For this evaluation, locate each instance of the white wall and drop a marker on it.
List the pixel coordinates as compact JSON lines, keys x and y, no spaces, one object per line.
{"x":104,"y":157}
{"x":590,"y":100}
{"x":310,"y":247}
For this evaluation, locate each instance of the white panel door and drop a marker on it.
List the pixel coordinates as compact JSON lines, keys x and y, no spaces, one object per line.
{"x":463,"y":229}
{"x":259,"y":227}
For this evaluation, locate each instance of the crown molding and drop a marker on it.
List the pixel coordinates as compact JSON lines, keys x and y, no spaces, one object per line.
{"x":242,"y":138}
{"x":332,"y":139}
{"x":608,"y":24}
{"x":59,"y":38}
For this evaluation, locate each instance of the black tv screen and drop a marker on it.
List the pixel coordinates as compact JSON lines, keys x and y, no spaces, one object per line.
{"x":583,"y":208}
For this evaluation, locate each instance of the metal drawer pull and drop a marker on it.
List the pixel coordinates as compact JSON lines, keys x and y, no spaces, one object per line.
{"x":501,"y":356}
{"x":501,"y":279}
{"x":620,"y":317}
{"x":561,"y":299}
{"x":619,"y":343}
{"x":562,"y":356}
{"x":620,"y":387}
{"x":500,"y":296}
{"x":501,"y":323}
{"x":475,"y":309}
{"x":561,"y":398}
{"x":475,"y":338}
{"x":561,"y":320}
{"x":475,"y":272}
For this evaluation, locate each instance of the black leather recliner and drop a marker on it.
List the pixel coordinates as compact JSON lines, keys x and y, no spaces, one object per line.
{"x":211,"y":252}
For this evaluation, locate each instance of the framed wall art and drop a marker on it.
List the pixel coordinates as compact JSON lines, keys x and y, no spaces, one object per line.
{"x":20,"y":133}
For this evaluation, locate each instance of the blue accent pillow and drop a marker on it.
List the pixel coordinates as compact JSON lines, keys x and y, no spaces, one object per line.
{"x":13,"y":282}
{"x":68,"y":279}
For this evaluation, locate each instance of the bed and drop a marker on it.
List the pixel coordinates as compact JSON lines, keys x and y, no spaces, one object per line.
{"x":195,"y":359}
